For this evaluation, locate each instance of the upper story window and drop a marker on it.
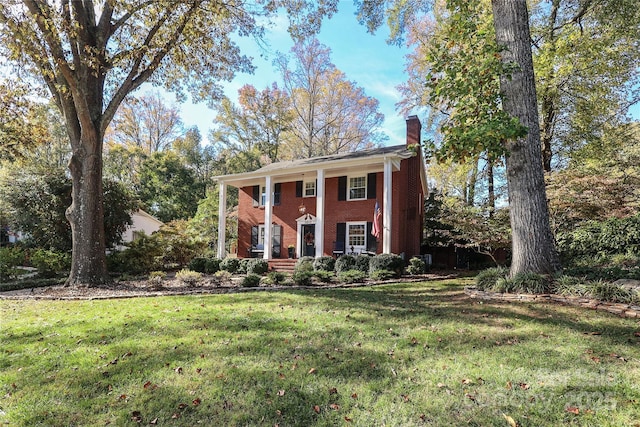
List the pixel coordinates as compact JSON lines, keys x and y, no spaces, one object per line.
{"x":357,"y":188}
{"x":309,"y":189}
{"x":263,"y":195}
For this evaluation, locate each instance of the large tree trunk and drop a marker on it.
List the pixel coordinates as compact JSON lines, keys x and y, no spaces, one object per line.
{"x":86,"y":213}
{"x":533,"y":244}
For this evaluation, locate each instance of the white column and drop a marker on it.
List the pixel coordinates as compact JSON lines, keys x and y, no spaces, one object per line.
{"x":387,"y":195}
{"x":320,"y":214}
{"x":268,"y":244}
{"x":222,"y":218}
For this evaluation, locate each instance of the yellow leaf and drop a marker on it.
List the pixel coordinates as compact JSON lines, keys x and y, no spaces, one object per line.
{"x":510,"y":421}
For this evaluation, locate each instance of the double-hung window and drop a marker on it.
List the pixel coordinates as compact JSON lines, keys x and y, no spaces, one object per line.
{"x":309,"y":189}
{"x":357,"y":189}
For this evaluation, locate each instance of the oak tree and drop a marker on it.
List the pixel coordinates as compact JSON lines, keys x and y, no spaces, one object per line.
{"x":91,"y":54}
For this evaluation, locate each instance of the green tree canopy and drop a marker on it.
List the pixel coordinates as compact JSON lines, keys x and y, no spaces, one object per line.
{"x":91,"y":55}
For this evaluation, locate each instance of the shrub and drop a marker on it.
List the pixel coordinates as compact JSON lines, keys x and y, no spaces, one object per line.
{"x":156,"y":277}
{"x":502,"y":285}
{"x":49,"y":263}
{"x":416,"y":266}
{"x":323,"y":276}
{"x":141,"y":256}
{"x":188,"y":277}
{"x":304,"y":264}
{"x":302,"y":277}
{"x":570,"y":285}
{"x":275,"y":278}
{"x":388,"y":262}
{"x":611,"y":292}
{"x":242,"y":265}
{"x":230,"y":264}
{"x":223,"y":275}
{"x":197,"y":264}
{"x":10,"y":258}
{"x":257,"y":266}
{"x":324,"y":263}
{"x":251,"y":280}
{"x":362,"y":263}
{"x":531,"y":283}
{"x":211,"y":265}
{"x":352,"y":276}
{"x":486,"y":279}
{"x":345,"y":263}
{"x":383,"y":274}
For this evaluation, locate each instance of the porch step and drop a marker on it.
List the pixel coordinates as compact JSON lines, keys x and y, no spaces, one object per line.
{"x":282,"y":265}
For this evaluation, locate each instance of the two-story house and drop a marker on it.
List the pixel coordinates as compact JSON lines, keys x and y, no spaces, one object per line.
{"x":367,"y":201}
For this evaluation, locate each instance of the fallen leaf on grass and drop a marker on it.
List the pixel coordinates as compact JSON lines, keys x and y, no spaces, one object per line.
{"x":136,"y":416}
{"x":347,"y":419}
{"x":281,"y":392}
{"x":182,"y":406}
{"x":510,"y":421}
{"x":573,"y":410}
{"x":509,"y":385}
{"x":405,"y":397}
{"x":316,"y":409}
{"x":196,"y":401}
{"x":333,"y":390}
{"x":178,"y":370}
{"x":312,"y":371}
{"x":354,"y":396}
{"x":524,"y":386}
{"x":334,"y":406}
{"x":153,"y":422}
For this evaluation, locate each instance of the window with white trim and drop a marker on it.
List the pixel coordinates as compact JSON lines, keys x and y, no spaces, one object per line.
{"x":356,"y":237}
{"x":261,"y":234}
{"x":263,"y":195}
{"x":357,"y":188}
{"x":309,"y":189}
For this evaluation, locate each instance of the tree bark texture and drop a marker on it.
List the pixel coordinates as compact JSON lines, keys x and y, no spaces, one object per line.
{"x":533,"y":247}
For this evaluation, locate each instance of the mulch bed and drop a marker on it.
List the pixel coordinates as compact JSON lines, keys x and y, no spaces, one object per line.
{"x":172,"y":286}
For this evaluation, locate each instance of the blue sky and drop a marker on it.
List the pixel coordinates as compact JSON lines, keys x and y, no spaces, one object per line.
{"x":364,"y":58}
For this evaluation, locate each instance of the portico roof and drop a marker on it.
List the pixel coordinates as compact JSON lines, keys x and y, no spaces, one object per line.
{"x":363,"y":161}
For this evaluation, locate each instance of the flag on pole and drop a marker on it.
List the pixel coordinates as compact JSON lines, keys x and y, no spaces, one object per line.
{"x":375,"y":231}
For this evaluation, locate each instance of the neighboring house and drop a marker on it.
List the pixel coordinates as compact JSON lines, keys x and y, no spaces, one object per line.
{"x":370,"y":201}
{"x":142,"y":223}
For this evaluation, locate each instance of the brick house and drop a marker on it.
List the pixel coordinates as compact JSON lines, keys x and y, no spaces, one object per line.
{"x":327,"y":205}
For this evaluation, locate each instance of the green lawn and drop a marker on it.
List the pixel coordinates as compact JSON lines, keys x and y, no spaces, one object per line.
{"x":394,"y":355}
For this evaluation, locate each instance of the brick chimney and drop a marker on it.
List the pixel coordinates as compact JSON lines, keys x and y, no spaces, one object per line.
{"x":414,"y":127}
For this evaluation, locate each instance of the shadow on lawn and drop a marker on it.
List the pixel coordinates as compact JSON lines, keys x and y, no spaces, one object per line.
{"x":448,"y":302}
{"x":253,"y":365}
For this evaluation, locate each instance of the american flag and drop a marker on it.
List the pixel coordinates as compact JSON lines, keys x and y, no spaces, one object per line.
{"x":375,"y":231}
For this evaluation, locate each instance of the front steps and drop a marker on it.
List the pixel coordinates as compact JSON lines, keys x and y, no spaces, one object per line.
{"x":282,"y":265}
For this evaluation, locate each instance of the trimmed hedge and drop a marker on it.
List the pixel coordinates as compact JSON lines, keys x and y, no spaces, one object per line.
{"x":386,"y":262}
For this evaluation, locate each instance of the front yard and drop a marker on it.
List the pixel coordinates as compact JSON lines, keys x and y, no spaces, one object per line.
{"x":396,"y":355}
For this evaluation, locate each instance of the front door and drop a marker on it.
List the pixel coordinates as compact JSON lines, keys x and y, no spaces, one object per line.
{"x":308,"y":240}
